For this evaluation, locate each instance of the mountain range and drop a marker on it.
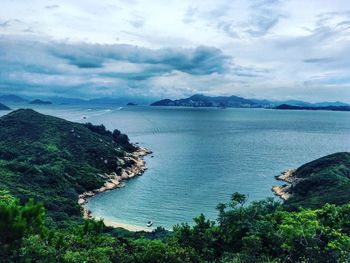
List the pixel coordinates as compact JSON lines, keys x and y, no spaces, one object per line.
{"x":199,"y":100}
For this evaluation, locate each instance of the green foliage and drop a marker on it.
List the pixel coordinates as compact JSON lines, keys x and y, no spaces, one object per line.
{"x":259,"y":232}
{"x":17,"y":222}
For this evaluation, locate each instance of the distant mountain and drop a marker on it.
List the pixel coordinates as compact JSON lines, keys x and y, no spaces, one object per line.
{"x":199,"y":100}
{"x":331,"y":108}
{"x":4,"y":107}
{"x":326,"y":104}
{"x":11,"y":98}
{"x":131,"y":104}
{"x":40,"y":102}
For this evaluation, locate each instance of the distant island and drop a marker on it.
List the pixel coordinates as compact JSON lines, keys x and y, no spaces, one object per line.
{"x":131,"y":104}
{"x":4,"y":107}
{"x":330,"y":108}
{"x":40,"y":102}
{"x":199,"y":100}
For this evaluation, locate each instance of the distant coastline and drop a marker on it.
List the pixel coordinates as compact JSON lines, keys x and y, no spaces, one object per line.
{"x":199,"y":100}
{"x":327,"y":108}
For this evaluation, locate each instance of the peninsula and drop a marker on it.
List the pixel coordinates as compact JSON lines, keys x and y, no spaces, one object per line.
{"x":62,"y":163}
{"x":325,"y":180}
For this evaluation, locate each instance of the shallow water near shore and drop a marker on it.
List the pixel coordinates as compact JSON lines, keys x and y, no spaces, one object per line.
{"x":201,"y":156}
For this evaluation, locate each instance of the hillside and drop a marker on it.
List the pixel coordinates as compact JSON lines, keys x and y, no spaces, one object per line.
{"x":54,"y":160}
{"x":325,"y":180}
{"x":4,"y":107}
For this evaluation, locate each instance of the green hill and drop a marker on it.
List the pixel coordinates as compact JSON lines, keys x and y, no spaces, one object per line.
{"x":325,"y":180}
{"x":53,"y":160}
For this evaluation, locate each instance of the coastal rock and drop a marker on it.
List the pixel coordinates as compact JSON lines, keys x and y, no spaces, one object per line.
{"x":135,"y":166}
{"x":284,"y":191}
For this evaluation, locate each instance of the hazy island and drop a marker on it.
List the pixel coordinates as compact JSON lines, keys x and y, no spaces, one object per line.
{"x":49,"y":167}
{"x":4,"y":107}
{"x":40,"y":102}
{"x":11,"y":98}
{"x":329,"y":108}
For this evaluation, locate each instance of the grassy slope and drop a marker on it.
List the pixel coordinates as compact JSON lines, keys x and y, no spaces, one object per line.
{"x":53,"y":160}
{"x":325,"y":180}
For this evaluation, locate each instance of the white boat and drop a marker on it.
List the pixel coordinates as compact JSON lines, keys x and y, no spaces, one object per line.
{"x":149,"y":224}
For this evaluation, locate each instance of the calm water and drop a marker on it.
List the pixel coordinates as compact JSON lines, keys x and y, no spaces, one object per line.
{"x":201,"y":156}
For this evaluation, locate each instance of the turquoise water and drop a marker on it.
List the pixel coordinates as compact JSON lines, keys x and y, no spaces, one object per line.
{"x":202,"y":156}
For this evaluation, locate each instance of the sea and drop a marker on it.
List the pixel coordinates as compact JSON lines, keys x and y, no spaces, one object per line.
{"x":203,"y":155}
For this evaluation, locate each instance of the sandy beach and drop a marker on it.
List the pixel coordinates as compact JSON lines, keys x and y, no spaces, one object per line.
{"x":114,"y":223}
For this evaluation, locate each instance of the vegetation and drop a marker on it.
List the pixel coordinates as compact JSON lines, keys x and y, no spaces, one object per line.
{"x":325,"y":180}
{"x":51,"y":161}
{"x":260,"y":232}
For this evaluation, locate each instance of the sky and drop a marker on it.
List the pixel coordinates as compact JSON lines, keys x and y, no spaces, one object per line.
{"x":267,"y":49}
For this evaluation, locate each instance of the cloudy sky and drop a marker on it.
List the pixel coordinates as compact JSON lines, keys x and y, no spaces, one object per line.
{"x":276,"y":49}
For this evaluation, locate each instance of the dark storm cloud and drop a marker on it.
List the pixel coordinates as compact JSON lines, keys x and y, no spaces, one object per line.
{"x":202,"y":60}
{"x":30,"y":66}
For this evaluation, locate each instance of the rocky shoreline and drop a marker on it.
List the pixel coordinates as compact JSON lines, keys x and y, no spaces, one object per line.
{"x":283,"y":191}
{"x":115,"y":180}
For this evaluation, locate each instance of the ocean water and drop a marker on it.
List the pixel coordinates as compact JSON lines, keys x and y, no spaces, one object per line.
{"x":202,"y":155}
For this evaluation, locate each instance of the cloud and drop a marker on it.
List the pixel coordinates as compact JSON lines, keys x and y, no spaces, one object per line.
{"x":254,"y":47}
{"x":137,"y":21}
{"x":318,"y":60}
{"x":197,"y":61}
{"x":52,"y":6}
{"x":189,"y":16}
{"x":85,"y":68}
